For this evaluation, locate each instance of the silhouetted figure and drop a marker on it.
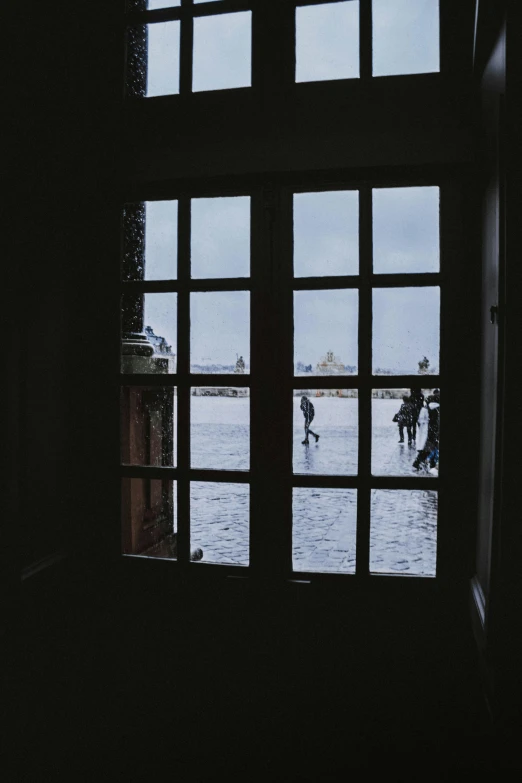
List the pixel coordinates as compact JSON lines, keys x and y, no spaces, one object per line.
{"x":308,"y":413}
{"x":404,"y":418}
{"x":430,"y":452}
{"x":417,"y":403}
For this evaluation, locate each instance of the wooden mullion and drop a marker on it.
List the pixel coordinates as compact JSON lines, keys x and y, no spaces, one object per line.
{"x":183,"y":367}
{"x":365,"y":40}
{"x":223,"y":476}
{"x":185,"y":54}
{"x":365,"y":368}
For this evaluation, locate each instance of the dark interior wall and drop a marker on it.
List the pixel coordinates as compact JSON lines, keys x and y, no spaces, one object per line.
{"x":124,"y":654}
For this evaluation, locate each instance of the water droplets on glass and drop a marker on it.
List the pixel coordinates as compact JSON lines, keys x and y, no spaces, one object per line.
{"x":220,"y":237}
{"x":149,"y":330}
{"x":222,"y":51}
{"x":326,"y":233}
{"x":327,"y":41}
{"x":148,"y":426}
{"x":406,"y":230}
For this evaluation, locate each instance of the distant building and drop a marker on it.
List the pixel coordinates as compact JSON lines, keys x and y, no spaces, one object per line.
{"x":330,"y":365}
{"x":159,"y":343}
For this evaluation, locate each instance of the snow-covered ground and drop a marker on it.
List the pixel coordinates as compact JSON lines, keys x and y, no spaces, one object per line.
{"x":403,"y":530}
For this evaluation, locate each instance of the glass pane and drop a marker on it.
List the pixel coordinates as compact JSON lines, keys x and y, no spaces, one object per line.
{"x":151,"y":5}
{"x":163,"y":58}
{"x":220,"y":428}
{"x":326,"y":233}
{"x":406,"y":330}
{"x":403,"y":532}
{"x":325,"y":431}
{"x":325,"y":332}
{"x":406,"y":230}
{"x":405,"y":432}
{"x":222,"y":51}
{"x":149,"y":518}
{"x":220,"y":332}
{"x":327,"y":42}
{"x":149,"y":327}
{"x":324,"y":529}
{"x":161,"y":240}
{"x":220,"y":237}
{"x":219,"y":521}
{"x":405,"y":36}
{"x":148,"y":421}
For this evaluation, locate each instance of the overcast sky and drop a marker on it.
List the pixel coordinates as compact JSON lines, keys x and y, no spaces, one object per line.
{"x":406,"y":220}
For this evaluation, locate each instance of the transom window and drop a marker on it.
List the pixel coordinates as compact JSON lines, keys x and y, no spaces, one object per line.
{"x":195,"y":46}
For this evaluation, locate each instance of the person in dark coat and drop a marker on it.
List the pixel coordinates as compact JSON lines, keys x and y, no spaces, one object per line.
{"x":404,"y":418}
{"x":417,"y":402}
{"x":430,"y":452}
{"x":308,"y":413}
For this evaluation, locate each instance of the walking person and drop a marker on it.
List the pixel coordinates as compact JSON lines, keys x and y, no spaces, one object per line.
{"x":417,"y":402}
{"x":430,"y":452}
{"x":308,"y":413}
{"x":404,"y":418}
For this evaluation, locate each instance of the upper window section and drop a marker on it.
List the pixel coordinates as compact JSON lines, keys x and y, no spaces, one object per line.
{"x":222,"y":54}
{"x":405,"y":37}
{"x":327,"y":41}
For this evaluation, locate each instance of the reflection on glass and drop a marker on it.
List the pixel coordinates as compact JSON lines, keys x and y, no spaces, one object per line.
{"x":163,"y":58}
{"x":325,"y":437}
{"x":406,"y":330}
{"x":324,"y":529}
{"x":220,"y":237}
{"x":148,"y":518}
{"x":405,"y":36}
{"x":149,"y":329}
{"x":325,"y":332}
{"x":219,"y":521}
{"x":406,"y":230}
{"x":147,"y":435}
{"x":327,"y":42}
{"x":405,"y":432}
{"x":403,"y":532}
{"x":326,"y":231}
{"x":222,"y":51}
{"x":220,"y":332}
{"x":220,"y":428}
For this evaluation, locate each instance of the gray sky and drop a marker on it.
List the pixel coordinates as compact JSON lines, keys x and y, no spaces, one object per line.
{"x":406,"y":322}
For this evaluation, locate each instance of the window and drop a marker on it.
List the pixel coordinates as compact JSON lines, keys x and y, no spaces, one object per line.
{"x":291,"y":325}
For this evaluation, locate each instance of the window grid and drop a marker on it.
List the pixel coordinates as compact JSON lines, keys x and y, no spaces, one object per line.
{"x":271,"y":286}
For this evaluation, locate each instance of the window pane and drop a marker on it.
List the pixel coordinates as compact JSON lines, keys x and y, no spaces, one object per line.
{"x":220,"y":332}
{"x":151,"y":5}
{"x":406,"y":330}
{"x":220,"y":428}
{"x":163,"y":58}
{"x":219,"y":521}
{"x":220,"y":237}
{"x":406,"y":230}
{"x":325,"y":332}
{"x":405,"y":36}
{"x":403,"y":532}
{"x":222,"y":51}
{"x":149,"y":518}
{"x":149,"y":327}
{"x":405,"y":432}
{"x":328,"y":420}
{"x":324,"y":529}
{"x":327,"y":41}
{"x":326,"y":233}
{"x":148,"y":416}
